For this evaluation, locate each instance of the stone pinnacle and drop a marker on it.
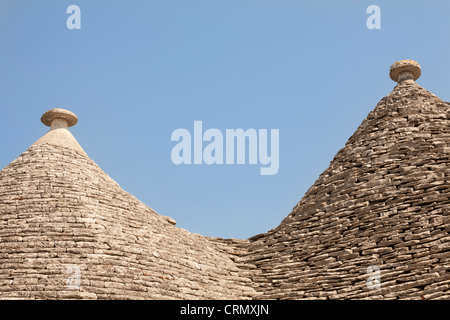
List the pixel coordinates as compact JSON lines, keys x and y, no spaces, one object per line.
{"x":404,"y":70}
{"x":59,"y":118}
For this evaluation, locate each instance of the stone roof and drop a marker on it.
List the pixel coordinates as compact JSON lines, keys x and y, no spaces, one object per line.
{"x":382,"y":207}
{"x":384,"y":201}
{"x":60,"y":211}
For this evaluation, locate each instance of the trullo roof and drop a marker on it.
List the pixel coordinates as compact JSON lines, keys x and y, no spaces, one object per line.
{"x":67,"y":230}
{"x":376,"y":223}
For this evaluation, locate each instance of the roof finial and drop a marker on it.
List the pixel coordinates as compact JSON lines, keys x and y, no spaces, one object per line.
{"x":404,"y":70}
{"x":59,"y":118}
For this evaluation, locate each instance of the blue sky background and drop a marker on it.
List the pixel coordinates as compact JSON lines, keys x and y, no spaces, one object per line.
{"x":137,"y":70}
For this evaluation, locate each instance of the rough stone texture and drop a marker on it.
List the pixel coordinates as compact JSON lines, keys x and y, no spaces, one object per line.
{"x":59,"y":209}
{"x":61,"y":137}
{"x":384,"y":201}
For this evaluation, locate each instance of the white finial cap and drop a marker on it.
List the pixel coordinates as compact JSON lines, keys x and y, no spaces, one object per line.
{"x":404,"y":70}
{"x":59,"y":118}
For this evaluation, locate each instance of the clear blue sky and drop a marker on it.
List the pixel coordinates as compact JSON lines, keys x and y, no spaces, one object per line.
{"x":137,"y":70}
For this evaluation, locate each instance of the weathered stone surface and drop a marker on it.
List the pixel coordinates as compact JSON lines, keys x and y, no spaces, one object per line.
{"x":383,"y":201}
{"x":59,"y":209}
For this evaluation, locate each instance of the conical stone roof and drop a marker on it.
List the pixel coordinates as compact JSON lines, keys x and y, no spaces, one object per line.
{"x":381,"y":209}
{"x":67,"y":230}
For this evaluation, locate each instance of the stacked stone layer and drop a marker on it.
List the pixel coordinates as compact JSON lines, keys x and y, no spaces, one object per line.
{"x":384,"y":201}
{"x":59,"y":210}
